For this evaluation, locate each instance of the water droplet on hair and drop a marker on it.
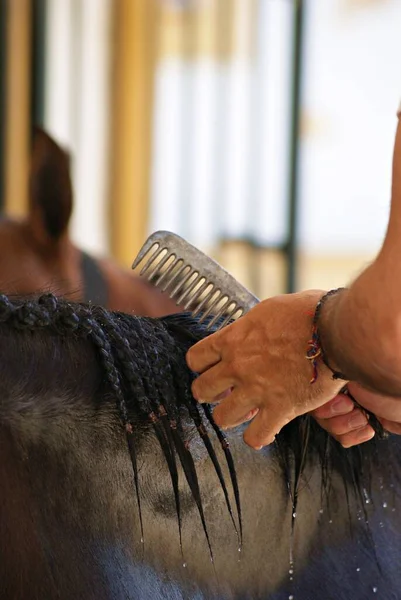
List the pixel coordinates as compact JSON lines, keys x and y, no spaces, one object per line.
{"x":321,"y":511}
{"x":294,"y":515}
{"x":366,"y":496}
{"x":290,"y":597}
{"x":141,"y":540}
{"x":331,"y":520}
{"x":291,"y":565}
{"x":381,"y":524}
{"x":239,"y":549}
{"x":374,"y":589}
{"x":393,"y":510}
{"x":384,"y":504}
{"x":184,"y":564}
{"x":358,"y":569}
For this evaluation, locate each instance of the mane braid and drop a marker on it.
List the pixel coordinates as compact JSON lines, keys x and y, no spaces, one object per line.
{"x":184,"y":379}
{"x":195,"y":332}
{"x":65,"y":318}
{"x":168,"y":412}
{"x":119,"y":330}
{"x":130,"y":349}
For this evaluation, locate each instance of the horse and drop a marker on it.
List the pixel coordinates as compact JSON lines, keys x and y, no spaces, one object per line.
{"x":117,"y":484}
{"x":37,"y":252}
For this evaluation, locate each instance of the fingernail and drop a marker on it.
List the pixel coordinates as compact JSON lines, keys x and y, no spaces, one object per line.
{"x":341,"y":405}
{"x":252,"y":413}
{"x":357,"y":419}
{"x":365,"y":434}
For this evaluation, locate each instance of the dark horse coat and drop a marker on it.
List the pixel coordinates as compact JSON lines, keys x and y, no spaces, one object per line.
{"x":106,"y":460}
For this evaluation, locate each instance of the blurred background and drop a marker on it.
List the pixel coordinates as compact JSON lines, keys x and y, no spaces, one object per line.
{"x":260,"y":130}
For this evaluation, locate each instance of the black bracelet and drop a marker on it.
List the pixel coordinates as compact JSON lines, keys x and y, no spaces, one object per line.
{"x":315,"y":350}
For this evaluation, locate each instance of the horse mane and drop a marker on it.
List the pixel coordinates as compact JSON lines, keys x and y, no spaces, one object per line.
{"x":143,"y":361}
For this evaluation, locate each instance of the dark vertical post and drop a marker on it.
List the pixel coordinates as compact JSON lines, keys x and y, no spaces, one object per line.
{"x":38,"y":62}
{"x":3,"y":48}
{"x":299,"y":10}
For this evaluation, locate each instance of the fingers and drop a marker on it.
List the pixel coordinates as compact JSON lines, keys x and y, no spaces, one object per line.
{"x":346,"y":423}
{"x":340,"y":405}
{"x":391,"y":426}
{"x":204,"y":354}
{"x":384,"y":407}
{"x":348,"y":430}
{"x":342,"y":424}
{"x":234,"y":410}
{"x":212,"y":384}
{"x":354,"y":438}
{"x":262,"y":430}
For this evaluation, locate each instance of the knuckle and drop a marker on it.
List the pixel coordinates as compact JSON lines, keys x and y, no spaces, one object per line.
{"x":236,"y":367}
{"x":337,"y":429}
{"x":219,"y":420}
{"x":190,"y":359}
{"x":253,"y":443}
{"x":214,"y":342}
{"x":259,"y":388}
{"x":258,"y":438}
{"x":196,"y":389}
{"x":347,"y":440}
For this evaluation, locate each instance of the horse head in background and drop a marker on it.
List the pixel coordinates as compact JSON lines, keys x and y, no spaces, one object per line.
{"x":36,"y":253}
{"x":117,"y":485}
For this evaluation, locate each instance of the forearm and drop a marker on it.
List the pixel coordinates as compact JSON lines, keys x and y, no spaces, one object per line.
{"x":360,"y":328}
{"x":360,"y":331}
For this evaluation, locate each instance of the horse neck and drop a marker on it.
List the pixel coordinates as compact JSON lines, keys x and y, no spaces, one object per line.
{"x":66,"y":463}
{"x":69,"y":521}
{"x":62,"y":454}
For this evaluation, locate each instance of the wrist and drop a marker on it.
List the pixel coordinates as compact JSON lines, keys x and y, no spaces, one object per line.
{"x":325,"y":326}
{"x":358,"y":334}
{"x":319,"y":371}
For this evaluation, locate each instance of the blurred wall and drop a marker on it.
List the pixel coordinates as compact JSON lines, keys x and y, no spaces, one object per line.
{"x":351,"y":91}
{"x":177,"y":115}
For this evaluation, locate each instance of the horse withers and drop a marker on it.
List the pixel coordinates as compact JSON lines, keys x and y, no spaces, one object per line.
{"x":36,"y":253}
{"x":117,"y":485}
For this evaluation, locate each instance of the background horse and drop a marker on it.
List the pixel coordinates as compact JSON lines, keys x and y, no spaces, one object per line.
{"x":36,"y":253}
{"x":117,"y":485}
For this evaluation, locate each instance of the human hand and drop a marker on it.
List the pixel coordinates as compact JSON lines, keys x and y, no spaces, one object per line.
{"x":261,"y":358}
{"x":348,"y":424}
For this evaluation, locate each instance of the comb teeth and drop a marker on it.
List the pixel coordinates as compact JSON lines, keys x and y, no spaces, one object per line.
{"x":192,"y":279}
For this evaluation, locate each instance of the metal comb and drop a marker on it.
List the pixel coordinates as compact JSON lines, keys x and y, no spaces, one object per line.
{"x":194,"y":280}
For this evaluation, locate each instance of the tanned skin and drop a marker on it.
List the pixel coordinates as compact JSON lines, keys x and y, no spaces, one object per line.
{"x":256,"y":368}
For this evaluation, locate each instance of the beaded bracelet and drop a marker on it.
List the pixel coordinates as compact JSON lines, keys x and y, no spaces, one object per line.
{"x":315,"y":350}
